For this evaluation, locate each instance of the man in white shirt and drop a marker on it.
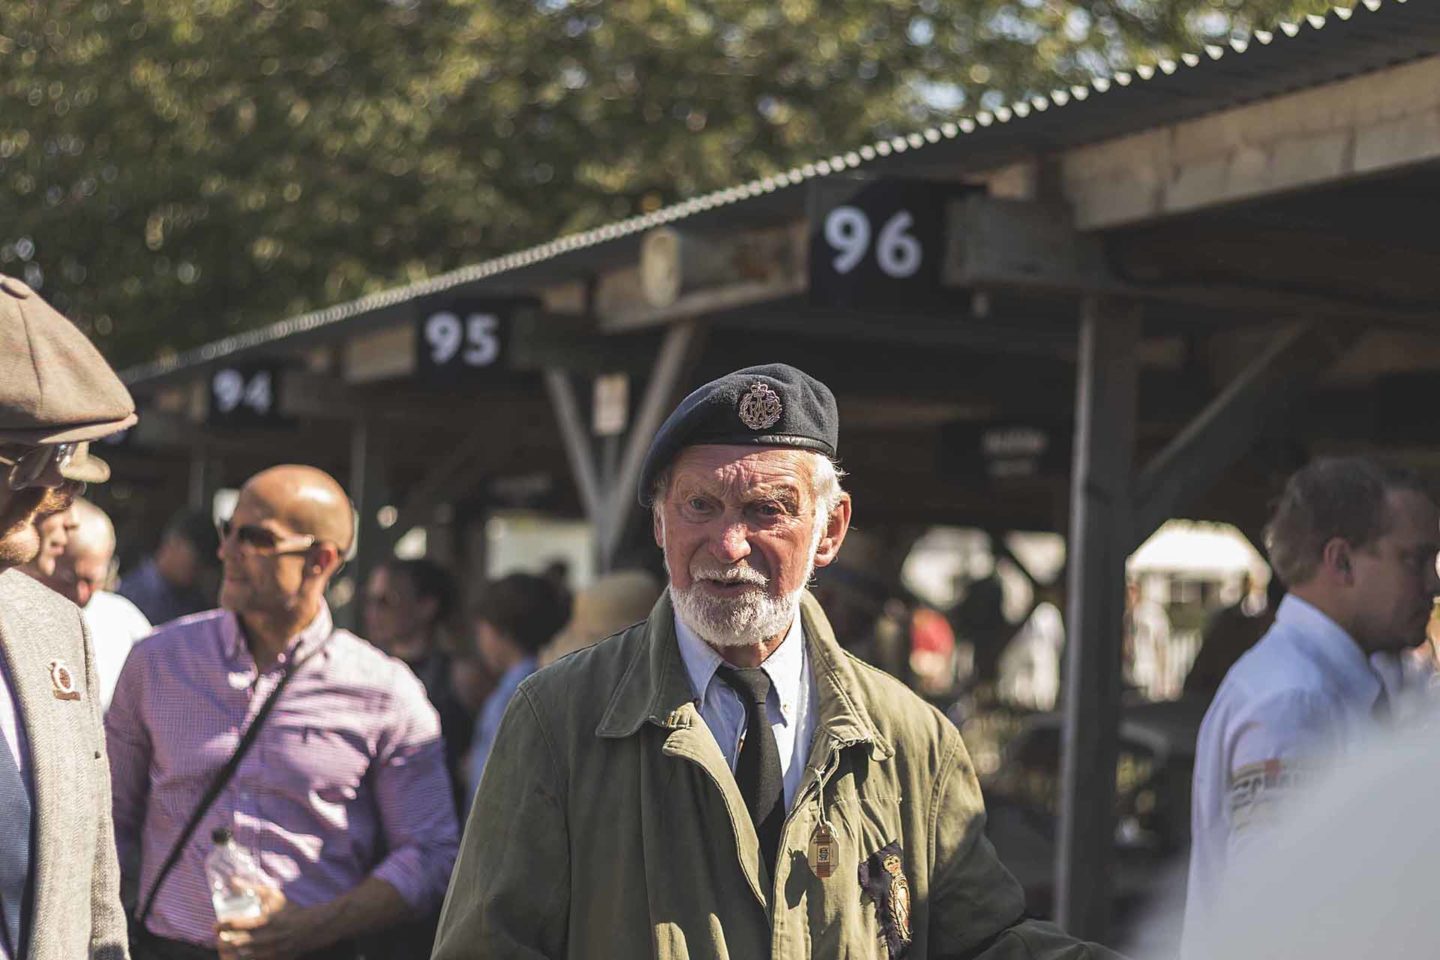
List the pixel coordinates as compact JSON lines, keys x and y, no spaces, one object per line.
{"x":82,"y":572}
{"x":1356,"y":545}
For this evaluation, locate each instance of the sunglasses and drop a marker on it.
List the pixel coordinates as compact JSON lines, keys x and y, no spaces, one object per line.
{"x":29,"y":463}
{"x":257,"y":539}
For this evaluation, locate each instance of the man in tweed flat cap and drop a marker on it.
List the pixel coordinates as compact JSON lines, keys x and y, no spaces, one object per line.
{"x":723,"y":780}
{"x":59,"y":883}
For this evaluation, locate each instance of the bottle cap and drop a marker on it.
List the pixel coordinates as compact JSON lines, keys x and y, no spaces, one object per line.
{"x":222,"y":836}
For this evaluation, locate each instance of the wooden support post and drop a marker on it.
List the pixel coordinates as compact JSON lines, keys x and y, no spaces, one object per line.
{"x":367,"y":492}
{"x":606,"y":474}
{"x":677,"y":356}
{"x":1234,"y":420}
{"x":580,"y":452}
{"x":1099,"y":528}
{"x":201,"y":482}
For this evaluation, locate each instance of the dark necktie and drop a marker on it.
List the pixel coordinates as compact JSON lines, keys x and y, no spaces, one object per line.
{"x":757,"y":769}
{"x":14,"y":848}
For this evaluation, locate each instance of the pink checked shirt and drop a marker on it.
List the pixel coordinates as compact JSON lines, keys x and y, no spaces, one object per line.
{"x":346,"y":780}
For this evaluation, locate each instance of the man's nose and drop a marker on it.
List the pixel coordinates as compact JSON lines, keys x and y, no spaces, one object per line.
{"x":733,"y":543}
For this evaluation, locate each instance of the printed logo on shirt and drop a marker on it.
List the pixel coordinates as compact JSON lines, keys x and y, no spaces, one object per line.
{"x":1257,"y":787}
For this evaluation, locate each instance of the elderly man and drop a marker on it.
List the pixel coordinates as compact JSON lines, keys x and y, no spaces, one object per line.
{"x":1355,"y":543}
{"x":82,"y":572}
{"x":343,"y":798}
{"x":59,"y":884}
{"x":722,"y":780}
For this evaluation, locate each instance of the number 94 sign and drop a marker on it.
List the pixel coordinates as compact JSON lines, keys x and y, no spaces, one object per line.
{"x":456,"y":339}
{"x":878,"y":243}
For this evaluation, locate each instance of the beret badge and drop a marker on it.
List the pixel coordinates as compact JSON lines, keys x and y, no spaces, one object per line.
{"x":759,"y":407}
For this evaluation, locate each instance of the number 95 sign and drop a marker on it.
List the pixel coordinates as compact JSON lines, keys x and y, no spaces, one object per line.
{"x":877,"y":244}
{"x":456,"y":339}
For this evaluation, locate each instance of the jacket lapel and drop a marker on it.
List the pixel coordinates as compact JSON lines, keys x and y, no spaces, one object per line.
{"x":655,"y":684}
{"x":30,"y":643}
{"x":841,"y":717}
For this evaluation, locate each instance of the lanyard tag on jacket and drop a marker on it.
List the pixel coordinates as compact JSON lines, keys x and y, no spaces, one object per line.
{"x":822,"y":850}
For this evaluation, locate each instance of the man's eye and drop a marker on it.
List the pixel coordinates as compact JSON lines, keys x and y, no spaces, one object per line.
{"x":697,"y":503}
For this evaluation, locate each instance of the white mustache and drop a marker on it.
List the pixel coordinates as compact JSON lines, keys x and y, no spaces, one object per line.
{"x":748,"y":575}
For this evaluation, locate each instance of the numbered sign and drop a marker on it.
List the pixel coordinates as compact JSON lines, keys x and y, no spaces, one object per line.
{"x":245,"y":395}
{"x":456,"y":339}
{"x":878,"y":243}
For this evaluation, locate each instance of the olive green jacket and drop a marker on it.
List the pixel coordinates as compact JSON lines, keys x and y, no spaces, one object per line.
{"x":608,"y":824}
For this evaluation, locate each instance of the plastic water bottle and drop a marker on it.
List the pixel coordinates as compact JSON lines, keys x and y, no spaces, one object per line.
{"x":235,"y":879}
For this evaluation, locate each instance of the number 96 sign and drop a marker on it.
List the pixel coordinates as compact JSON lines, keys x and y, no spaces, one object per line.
{"x":457,"y":339}
{"x":876,"y":244}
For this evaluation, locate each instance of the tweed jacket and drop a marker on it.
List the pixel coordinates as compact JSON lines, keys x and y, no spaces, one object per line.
{"x":609,"y":825}
{"x":76,"y":878}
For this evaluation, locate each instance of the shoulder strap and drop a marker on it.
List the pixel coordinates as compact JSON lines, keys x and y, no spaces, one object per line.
{"x":217,"y":785}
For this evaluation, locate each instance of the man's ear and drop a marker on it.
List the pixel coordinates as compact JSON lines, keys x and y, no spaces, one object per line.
{"x":657,"y":526}
{"x":836,"y":526}
{"x":1337,"y":558}
{"x":323,"y":560}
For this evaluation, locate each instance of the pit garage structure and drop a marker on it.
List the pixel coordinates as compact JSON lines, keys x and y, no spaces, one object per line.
{"x":1089,"y":311}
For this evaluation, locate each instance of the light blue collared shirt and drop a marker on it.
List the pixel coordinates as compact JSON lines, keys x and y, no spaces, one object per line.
{"x":790,"y":707}
{"x":1305,"y":693}
{"x":487,"y":723}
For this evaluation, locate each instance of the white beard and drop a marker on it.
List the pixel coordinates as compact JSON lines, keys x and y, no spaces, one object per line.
{"x":749,"y":618}
{"x":746,"y":620}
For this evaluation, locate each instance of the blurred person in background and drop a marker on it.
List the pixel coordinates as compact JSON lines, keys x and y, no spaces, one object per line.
{"x":1355,"y":544}
{"x":1147,"y":645}
{"x":614,"y":601}
{"x":514,"y":620}
{"x":82,"y":574}
{"x":59,"y":882}
{"x":175,"y":581}
{"x":344,"y":800}
{"x":1230,"y":632}
{"x":53,"y":530}
{"x":408,"y":604}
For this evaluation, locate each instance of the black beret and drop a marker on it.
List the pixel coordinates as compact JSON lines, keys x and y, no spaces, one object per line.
{"x":774,"y":405}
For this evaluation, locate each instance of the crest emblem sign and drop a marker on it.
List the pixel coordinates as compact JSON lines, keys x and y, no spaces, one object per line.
{"x":882,"y":877}
{"x":760,"y":407}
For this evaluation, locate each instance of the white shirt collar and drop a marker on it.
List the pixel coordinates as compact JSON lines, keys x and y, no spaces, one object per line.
{"x":1325,"y":641}
{"x":785,"y":666}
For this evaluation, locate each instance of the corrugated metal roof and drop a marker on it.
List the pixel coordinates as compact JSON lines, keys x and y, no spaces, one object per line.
{"x":1317,"y":50}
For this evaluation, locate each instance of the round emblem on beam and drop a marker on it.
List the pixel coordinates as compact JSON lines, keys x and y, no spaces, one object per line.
{"x":760,"y":407}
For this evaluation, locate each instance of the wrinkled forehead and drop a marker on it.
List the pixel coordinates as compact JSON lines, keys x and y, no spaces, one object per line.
{"x":739,"y":470}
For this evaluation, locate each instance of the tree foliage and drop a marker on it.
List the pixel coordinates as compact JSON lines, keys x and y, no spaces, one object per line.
{"x":177,"y":170}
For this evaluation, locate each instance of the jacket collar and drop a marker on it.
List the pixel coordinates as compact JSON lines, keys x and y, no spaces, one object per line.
{"x":655,"y":686}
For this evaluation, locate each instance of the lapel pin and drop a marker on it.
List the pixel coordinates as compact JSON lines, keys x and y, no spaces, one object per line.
{"x":62,"y":681}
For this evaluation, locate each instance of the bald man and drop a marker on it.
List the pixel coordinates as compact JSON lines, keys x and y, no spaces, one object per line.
{"x":343,"y":796}
{"x":80,"y":574}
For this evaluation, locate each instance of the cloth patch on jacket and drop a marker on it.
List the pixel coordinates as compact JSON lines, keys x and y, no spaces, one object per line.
{"x":1256,"y":788}
{"x":882,"y":876}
